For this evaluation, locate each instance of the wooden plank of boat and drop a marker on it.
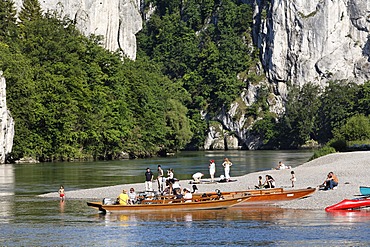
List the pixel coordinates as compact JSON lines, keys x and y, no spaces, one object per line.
{"x":349,"y":204}
{"x":170,"y":204}
{"x":365,"y":190}
{"x":267,"y":195}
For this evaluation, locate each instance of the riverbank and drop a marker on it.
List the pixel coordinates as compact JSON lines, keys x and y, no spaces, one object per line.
{"x":352,"y":169}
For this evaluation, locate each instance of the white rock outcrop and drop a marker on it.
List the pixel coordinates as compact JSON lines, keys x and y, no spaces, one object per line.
{"x":6,"y":123}
{"x":116,"y":20}
{"x":314,"y":41}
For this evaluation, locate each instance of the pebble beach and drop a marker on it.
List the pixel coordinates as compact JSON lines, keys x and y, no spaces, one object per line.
{"x":352,"y":169}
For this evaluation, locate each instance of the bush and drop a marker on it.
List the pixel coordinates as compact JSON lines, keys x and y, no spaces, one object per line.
{"x":339,"y":145}
{"x":322,"y":152}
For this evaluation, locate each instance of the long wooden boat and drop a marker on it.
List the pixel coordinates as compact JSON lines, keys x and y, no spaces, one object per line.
{"x":263,"y":196}
{"x":170,"y":204}
{"x":349,"y":204}
{"x":365,"y":190}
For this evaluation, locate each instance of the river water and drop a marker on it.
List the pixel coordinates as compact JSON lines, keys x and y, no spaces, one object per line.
{"x":29,"y":220}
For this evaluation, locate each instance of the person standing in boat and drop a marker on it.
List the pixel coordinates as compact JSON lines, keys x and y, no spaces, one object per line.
{"x":160,"y":178}
{"x":148,"y":180}
{"x":212,"y":169}
{"x":293,"y":178}
{"x":227,"y":165}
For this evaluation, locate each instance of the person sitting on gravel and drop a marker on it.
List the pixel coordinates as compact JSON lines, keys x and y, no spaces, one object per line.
{"x":270,"y":182}
{"x":331,"y":181}
{"x":260,"y":183}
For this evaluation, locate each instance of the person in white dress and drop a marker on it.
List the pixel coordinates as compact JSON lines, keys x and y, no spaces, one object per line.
{"x":227,"y":165}
{"x":212,"y":169}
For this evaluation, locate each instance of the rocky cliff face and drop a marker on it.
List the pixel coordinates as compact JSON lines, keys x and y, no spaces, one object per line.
{"x":117,"y":20}
{"x":300,"y":41}
{"x":6,"y":123}
{"x":314,"y":41}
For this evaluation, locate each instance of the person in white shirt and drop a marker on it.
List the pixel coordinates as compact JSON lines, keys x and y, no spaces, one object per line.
{"x":188,"y":197}
{"x":197,"y":176}
{"x":212,"y":169}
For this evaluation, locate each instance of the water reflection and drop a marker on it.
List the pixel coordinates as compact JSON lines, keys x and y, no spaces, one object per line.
{"x":349,"y":216}
{"x":6,"y":192}
{"x":263,"y":213}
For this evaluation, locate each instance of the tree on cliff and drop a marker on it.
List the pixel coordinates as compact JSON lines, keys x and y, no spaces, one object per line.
{"x":7,"y":20}
{"x":31,"y":11}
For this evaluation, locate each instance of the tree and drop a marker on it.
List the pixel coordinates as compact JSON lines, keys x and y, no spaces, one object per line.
{"x":337,"y":104}
{"x":30,"y":11}
{"x":7,"y":20}
{"x":298,"y":124}
{"x":356,"y":128}
{"x":364,"y":99}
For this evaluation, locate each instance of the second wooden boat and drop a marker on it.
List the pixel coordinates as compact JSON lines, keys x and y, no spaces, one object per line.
{"x":263,"y":196}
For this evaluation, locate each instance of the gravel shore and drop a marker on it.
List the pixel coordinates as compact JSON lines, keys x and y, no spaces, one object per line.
{"x":352,"y":169}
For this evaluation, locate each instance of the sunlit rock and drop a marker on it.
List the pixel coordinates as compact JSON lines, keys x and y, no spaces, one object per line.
{"x":7,"y":123}
{"x":117,"y":20}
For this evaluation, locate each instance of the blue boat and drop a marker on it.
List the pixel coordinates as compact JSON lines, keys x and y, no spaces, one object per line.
{"x":365,"y":190}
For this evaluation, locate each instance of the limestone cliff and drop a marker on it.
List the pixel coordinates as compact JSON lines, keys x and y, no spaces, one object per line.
{"x":300,"y":41}
{"x":314,"y":41}
{"x":6,"y":123}
{"x":117,"y":20}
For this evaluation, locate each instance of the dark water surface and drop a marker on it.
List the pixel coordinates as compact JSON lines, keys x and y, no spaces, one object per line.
{"x":28,"y":220}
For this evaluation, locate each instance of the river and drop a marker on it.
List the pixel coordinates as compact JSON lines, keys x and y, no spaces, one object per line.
{"x":29,"y":220}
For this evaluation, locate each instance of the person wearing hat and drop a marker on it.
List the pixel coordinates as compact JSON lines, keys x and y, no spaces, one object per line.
{"x":123,"y":198}
{"x":212,"y":169}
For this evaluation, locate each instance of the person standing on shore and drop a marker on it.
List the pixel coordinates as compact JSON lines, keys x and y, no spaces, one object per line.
{"x":227,"y":164}
{"x":293,"y":178}
{"x":160,"y":178}
{"x":148,"y":180}
{"x":212,"y":169}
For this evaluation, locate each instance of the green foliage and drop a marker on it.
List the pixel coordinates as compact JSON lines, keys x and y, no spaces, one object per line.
{"x":322,"y":152}
{"x":202,"y":43}
{"x":355,"y":128}
{"x":298,"y":124}
{"x":364,"y":99}
{"x":338,"y":144}
{"x":30,"y":11}
{"x":338,"y":103}
{"x":73,"y":99}
{"x":7,"y":20}
{"x":266,"y":128}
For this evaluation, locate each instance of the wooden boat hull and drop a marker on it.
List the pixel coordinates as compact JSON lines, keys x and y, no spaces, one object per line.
{"x":168,"y":204}
{"x":365,"y":190}
{"x":263,"y":196}
{"x":349,"y":204}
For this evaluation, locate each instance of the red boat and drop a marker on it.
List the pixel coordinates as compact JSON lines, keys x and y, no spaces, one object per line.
{"x":348,"y":204}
